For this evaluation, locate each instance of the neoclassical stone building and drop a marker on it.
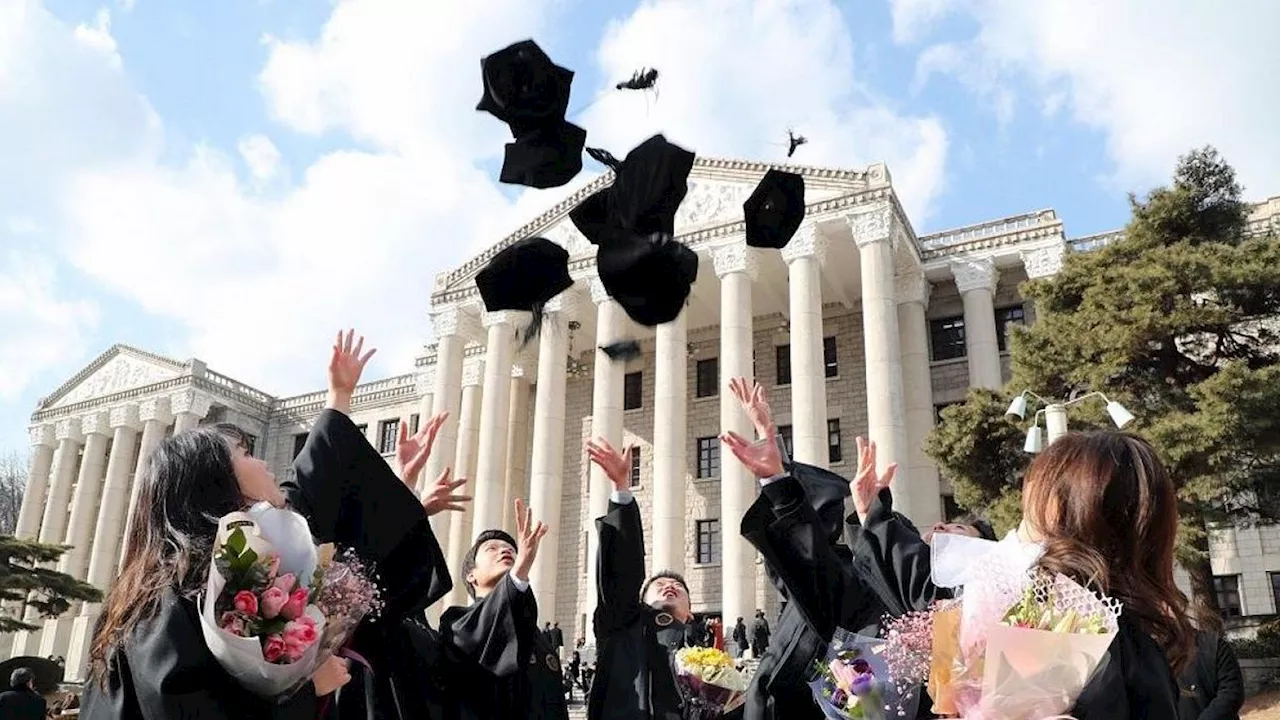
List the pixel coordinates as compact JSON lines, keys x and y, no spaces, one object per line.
{"x":860,"y":327}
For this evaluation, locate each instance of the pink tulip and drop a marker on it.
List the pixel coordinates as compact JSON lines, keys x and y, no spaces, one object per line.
{"x":286,"y":582}
{"x":296,"y":604}
{"x":273,"y":598}
{"x":304,"y":629}
{"x":273,"y":649}
{"x":273,"y":566}
{"x":230,"y":622}
{"x":246,"y":603}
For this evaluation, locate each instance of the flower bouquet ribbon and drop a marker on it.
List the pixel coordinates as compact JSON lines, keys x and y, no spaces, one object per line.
{"x":709,"y":683}
{"x":857,"y":679}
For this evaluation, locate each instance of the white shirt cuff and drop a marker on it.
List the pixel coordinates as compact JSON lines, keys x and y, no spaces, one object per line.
{"x":521,"y":585}
{"x":621,"y":497}
{"x":775,"y":478}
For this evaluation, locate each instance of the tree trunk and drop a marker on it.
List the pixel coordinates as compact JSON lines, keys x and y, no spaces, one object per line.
{"x":1204,"y":600}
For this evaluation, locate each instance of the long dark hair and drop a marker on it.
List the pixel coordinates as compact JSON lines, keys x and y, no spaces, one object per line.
{"x":188,"y":483}
{"x":1107,"y":512}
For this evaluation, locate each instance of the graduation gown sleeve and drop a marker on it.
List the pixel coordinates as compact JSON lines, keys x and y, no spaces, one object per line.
{"x":619,"y":567}
{"x":166,"y":671}
{"x":1134,"y":681}
{"x":894,"y":558}
{"x":489,"y":632}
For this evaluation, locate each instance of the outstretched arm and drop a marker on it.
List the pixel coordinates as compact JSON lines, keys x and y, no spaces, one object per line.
{"x":620,"y":560}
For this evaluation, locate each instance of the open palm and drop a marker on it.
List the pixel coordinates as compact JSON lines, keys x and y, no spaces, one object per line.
{"x":755,"y":403}
{"x":347,"y":362}
{"x":867,"y":484}
{"x":412,"y":451}
{"x":616,"y":465}
{"x":760,"y":457}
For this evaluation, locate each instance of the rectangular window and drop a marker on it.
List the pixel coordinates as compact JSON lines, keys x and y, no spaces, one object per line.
{"x":1227,"y":588}
{"x":586,"y":553}
{"x":950,"y":509}
{"x":364,"y":429}
{"x":1005,"y":317}
{"x":785,"y":432}
{"x":635,"y":467}
{"x":252,"y":442}
{"x":835,"y":453}
{"x":387,"y":430}
{"x":299,"y":441}
{"x":782,"y":359}
{"x":632,"y":390}
{"x":1275,"y":590}
{"x":414,"y":419}
{"x":708,"y":542}
{"x":946,"y":338}
{"x":937,"y":412}
{"x":829,"y":360}
{"x":708,"y":457}
{"x":708,"y":378}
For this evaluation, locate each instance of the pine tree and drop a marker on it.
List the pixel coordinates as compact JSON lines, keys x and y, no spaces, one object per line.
{"x":22,"y":580}
{"x":1178,"y":321}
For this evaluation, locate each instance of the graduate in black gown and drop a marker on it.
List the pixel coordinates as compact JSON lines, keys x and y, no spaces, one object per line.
{"x":494,"y":647}
{"x":638,"y":623}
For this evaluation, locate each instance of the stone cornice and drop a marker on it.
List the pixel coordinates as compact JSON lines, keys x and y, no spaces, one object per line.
{"x":395,"y":389}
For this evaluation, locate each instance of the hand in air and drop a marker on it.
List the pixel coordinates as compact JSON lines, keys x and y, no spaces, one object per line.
{"x":332,"y":675}
{"x":528,"y":536}
{"x":617,"y":466}
{"x":866,"y":484}
{"x":412,"y":451}
{"x":760,"y":457}
{"x":347,"y":363}
{"x":440,"y":494}
{"x":755,"y":403}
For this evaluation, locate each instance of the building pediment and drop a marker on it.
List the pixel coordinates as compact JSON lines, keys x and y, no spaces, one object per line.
{"x":119,"y":369}
{"x":717,"y":190}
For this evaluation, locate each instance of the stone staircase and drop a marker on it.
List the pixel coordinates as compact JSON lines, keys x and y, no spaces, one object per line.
{"x":578,"y":710}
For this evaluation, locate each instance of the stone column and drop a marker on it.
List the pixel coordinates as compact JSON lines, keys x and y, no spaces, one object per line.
{"x":464,"y":466}
{"x":874,"y":232}
{"x":917,"y":384}
{"x":53,"y":526}
{"x":189,"y":408}
{"x":736,"y":267}
{"x":106,"y":536}
{"x":517,"y":482}
{"x":495,"y":409}
{"x":42,"y":444}
{"x":606,"y":422}
{"x":670,"y":457}
{"x":425,"y":388}
{"x":454,"y":327}
{"x":155,"y":417}
{"x":546,"y":484}
{"x":976,"y":280}
{"x":808,"y":373}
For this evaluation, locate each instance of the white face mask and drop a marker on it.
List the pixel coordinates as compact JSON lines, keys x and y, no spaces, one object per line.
{"x":957,"y":559}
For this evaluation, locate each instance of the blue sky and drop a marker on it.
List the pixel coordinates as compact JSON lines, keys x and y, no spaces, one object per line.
{"x":234,"y":180}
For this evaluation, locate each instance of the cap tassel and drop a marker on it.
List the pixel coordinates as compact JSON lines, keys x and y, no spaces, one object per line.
{"x":604,"y":157}
{"x":531,"y":331}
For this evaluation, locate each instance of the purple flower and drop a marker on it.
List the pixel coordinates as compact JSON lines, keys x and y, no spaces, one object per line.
{"x":863,"y":684}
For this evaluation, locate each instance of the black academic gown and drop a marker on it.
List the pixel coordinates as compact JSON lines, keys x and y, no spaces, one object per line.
{"x":165,"y":671}
{"x":1213,"y":686}
{"x":22,"y":704}
{"x":352,"y":498}
{"x":507,"y":665}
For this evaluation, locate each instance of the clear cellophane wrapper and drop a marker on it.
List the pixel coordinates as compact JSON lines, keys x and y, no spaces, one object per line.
{"x":889,"y":697}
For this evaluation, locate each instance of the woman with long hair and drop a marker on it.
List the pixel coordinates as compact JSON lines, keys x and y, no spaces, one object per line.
{"x":1105,"y":511}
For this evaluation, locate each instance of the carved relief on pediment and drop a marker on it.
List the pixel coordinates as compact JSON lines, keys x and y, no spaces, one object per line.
{"x":120,"y":373}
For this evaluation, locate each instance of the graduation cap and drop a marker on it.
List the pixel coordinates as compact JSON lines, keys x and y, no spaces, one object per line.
{"x":524,"y":276}
{"x":649,"y":276}
{"x":544,"y":158}
{"x":622,"y":350}
{"x":523,"y":88}
{"x":649,"y":186}
{"x":774,"y":210}
{"x":591,"y":217}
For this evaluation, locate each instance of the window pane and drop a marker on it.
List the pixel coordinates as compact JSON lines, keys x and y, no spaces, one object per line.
{"x":252,"y":441}
{"x":708,"y":377}
{"x":782,"y":355}
{"x":708,"y":457}
{"x":785,"y":432}
{"x":835,"y":453}
{"x":387,"y":431}
{"x":1227,"y":588}
{"x":946,"y":337}
{"x":1275,"y":589}
{"x":829,"y":357}
{"x":635,"y":467}
{"x":708,"y":534}
{"x":1004,"y":318}
{"x":414,"y":419}
{"x":632,"y":390}
{"x":950,"y":508}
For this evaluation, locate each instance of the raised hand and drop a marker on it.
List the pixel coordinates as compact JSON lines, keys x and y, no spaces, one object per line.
{"x":441,"y":495}
{"x":760,"y":457}
{"x":412,"y":451}
{"x":345,"y":365}
{"x":617,"y":466}
{"x":866,"y":484}
{"x":755,"y":403}
{"x":528,"y":537}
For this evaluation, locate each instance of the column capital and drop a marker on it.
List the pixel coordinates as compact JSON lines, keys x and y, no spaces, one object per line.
{"x":1043,"y":262}
{"x":809,"y":241}
{"x":190,"y":401}
{"x":974,"y":274}
{"x":95,"y":424}
{"x":42,"y":435}
{"x":425,"y":383}
{"x":156,"y":408}
{"x":454,"y":320}
{"x":472,"y":372}
{"x":599,"y":294}
{"x":873,"y":225}
{"x":124,"y":416}
{"x":524,"y":371}
{"x":566,"y":302}
{"x":735,"y":257}
{"x":67,"y":429}
{"x":501,"y":317}
{"x":912,"y":287}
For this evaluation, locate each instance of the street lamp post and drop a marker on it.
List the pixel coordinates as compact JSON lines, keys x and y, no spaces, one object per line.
{"x":1055,"y":417}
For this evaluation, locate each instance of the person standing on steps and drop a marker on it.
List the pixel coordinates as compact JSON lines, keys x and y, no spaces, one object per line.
{"x":759,"y":635}
{"x":740,"y":640}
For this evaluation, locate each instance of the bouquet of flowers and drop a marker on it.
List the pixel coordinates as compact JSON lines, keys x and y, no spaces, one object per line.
{"x":866,"y":678}
{"x":276,"y":607}
{"x":709,"y":683}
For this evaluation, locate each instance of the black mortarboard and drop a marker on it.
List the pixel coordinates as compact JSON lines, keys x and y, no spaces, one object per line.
{"x":621,"y":350}
{"x":523,"y":88}
{"x":649,"y":186}
{"x":469,"y":560}
{"x":592,"y":218}
{"x":649,"y":276}
{"x":544,"y":158}
{"x":774,"y":210}
{"x":524,"y":276}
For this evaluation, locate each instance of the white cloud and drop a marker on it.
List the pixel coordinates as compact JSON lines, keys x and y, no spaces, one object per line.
{"x":737,"y":74}
{"x":126,"y":5}
{"x":261,"y":157}
{"x":913,"y":18}
{"x":42,"y":326}
{"x":1157,"y":78}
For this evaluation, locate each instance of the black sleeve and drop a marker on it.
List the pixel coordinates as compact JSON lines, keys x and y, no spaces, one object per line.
{"x":619,"y":566}
{"x":1229,"y":699}
{"x":488,"y":632}
{"x":889,"y":546}
{"x":795,"y":545}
